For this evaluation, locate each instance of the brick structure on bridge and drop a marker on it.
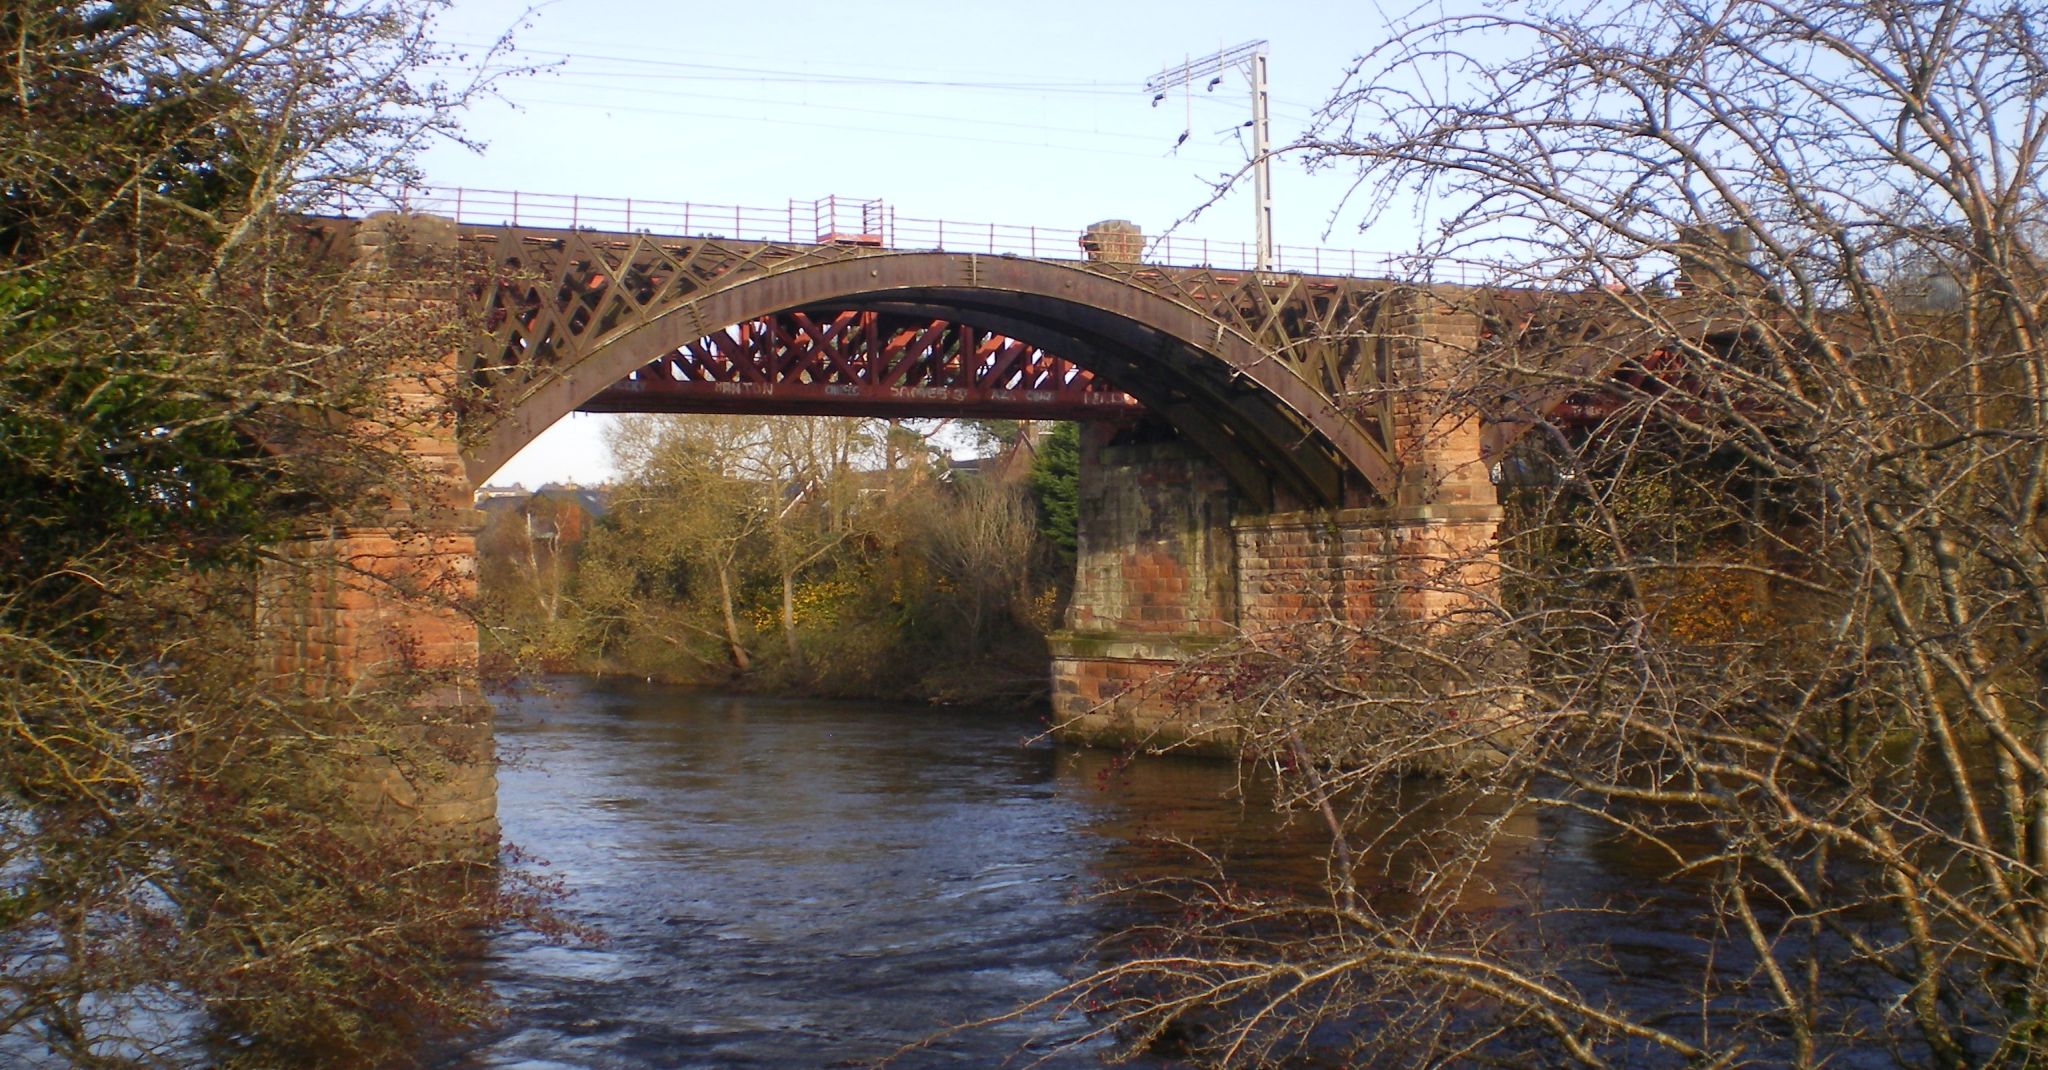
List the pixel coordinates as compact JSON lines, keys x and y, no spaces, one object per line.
{"x":381,"y":613}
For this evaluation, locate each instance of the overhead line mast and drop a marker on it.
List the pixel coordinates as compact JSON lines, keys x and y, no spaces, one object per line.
{"x":1248,"y":59}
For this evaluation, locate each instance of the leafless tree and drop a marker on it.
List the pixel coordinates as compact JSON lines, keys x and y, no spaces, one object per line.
{"x":983,"y":539}
{"x":1763,"y":300}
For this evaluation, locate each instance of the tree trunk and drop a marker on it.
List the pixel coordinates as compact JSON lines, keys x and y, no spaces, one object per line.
{"x":796,"y":653}
{"x":740,"y":660}
{"x":545,"y":591}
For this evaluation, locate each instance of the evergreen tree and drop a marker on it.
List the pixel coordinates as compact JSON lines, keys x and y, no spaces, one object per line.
{"x":1056,"y":485}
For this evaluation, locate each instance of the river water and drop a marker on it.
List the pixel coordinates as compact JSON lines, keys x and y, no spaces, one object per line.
{"x":798,"y":883}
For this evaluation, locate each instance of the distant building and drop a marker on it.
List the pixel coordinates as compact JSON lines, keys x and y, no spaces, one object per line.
{"x":491,"y":499}
{"x":558,"y":514}
{"x":1009,"y":464}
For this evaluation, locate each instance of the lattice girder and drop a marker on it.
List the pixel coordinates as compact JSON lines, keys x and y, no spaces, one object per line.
{"x":864,"y":363}
{"x":1282,"y":366}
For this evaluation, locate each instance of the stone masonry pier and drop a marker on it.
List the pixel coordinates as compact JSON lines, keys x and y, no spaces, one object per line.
{"x":1174,"y":563}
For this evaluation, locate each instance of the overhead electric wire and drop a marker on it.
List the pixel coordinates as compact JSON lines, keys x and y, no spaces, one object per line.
{"x":779,"y":62}
{"x":928,"y":132}
{"x":570,"y":76}
{"x":836,"y":80}
{"x":716,"y":71}
{"x":976,"y":121}
{"x":637,"y":103}
{"x":575,"y":73}
{"x":672,"y":70}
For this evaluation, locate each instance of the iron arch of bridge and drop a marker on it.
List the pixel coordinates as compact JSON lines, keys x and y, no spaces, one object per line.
{"x":822,"y":362}
{"x":570,"y":314}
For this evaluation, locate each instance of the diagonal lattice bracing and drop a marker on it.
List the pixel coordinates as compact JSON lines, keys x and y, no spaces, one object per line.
{"x":858,"y":363}
{"x":1281,"y":370}
{"x":1297,"y":384}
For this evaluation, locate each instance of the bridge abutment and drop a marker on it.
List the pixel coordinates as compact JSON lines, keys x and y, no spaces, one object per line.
{"x":372,"y":623}
{"x":1134,"y":623}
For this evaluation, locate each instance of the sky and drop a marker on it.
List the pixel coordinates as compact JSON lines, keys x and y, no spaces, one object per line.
{"x":971,"y":111}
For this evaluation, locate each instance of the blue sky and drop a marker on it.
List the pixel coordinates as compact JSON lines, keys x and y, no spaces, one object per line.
{"x":1013,"y":112}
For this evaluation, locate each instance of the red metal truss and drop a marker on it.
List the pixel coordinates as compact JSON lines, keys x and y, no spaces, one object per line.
{"x":857,"y":363}
{"x":1663,"y":382}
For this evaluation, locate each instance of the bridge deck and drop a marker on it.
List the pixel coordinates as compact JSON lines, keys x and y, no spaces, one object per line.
{"x":877,"y":224}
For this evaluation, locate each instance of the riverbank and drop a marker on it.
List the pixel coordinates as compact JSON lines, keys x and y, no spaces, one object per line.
{"x":1019,"y":681}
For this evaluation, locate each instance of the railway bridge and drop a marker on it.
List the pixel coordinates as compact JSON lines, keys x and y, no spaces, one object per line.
{"x":1258,"y":448}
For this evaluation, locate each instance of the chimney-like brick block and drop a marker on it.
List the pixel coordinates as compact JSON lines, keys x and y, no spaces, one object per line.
{"x":1432,"y":348}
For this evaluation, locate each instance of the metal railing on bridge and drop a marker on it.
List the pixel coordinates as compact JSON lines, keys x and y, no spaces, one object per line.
{"x":856,"y":221}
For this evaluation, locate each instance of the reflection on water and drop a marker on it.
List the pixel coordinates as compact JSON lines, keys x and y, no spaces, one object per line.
{"x":796,"y":883}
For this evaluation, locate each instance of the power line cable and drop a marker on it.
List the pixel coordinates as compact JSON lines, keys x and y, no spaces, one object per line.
{"x":676,"y":70}
{"x":715,"y":71}
{"x":977,"y":121}
{"x":779,"y":62}
{"x":933,"y":134}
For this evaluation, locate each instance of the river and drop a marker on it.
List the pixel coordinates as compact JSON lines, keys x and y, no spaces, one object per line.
{"x":799,"y":883}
